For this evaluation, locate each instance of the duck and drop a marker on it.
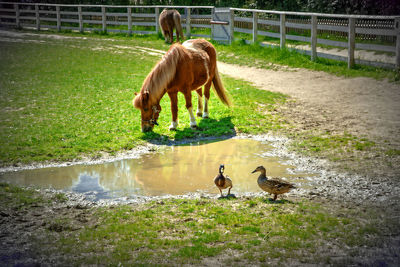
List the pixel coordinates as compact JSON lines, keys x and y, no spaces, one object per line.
{"x":273,"y":186}
{"x":223,"y":182}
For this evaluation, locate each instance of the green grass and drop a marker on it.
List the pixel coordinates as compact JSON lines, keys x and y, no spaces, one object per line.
{"x":175,"y":232}
{"x":14,"y":196}
{"x":328,"y":142}
{"x":62,"y":100}
{"x":164,"y":232}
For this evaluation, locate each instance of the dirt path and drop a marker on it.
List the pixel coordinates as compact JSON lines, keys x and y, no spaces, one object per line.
{"x":361,"y":106}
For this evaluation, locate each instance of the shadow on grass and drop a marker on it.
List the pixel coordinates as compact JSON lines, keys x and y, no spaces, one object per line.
{"x":207,"y":129}
{"x":280,"y":201}
{"x":227,"y":197}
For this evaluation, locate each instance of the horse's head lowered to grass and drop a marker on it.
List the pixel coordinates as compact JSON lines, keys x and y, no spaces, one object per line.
{"x":149,"y":112}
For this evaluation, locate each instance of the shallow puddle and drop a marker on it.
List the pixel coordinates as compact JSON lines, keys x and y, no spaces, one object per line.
{"x":175,"y":170}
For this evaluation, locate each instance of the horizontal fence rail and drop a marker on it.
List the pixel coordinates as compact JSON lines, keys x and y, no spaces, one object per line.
{"x":351,"y":32}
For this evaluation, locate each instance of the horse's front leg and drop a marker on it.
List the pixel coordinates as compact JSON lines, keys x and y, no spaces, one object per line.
{"x":188,"y":98}
{"x":174,"y":110}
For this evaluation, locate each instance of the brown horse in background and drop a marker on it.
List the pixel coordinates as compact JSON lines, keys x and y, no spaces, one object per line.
{"x":183,"y":68}
{"x":170,"y":19}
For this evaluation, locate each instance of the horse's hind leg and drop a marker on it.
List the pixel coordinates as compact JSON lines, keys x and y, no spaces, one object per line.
{"x":178,"y":26}
{"x":199,"y":112}
{"x":165,"y":33}
{"x":188,"y":98}
{"x":206,"y":98}
{"x":171,"y":34}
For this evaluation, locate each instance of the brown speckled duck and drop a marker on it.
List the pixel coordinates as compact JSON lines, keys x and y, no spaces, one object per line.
{"x":223,"y":182}
{"x":272,"y":186}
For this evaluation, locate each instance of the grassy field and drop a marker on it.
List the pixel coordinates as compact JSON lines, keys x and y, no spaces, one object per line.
{"x":194,"y":231}
{"x":62,"y":99}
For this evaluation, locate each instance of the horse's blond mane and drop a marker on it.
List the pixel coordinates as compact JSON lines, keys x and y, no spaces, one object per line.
{"x":163,"y":73}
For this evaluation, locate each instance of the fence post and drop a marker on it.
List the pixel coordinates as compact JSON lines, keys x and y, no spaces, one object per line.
{"x":80,"y":19}
{"x":397,"y":27}
{"x":104,"y":18}
{"x":212,"y":17}
{"x":314,"y":26}
{"x":58,"y":18}
{"x":255,"y":26}
{"x":130,"y":21}
{"x":351,"y":42}
{"x":157,"y":11}
{"x":283,"y":30}
{"x":37,"y":17}
{"x":188,"y":26}
{"x":231,"y":25}
{"x":17,"y":20}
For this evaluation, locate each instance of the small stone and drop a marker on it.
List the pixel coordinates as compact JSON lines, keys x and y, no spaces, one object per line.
{"x":3,"y":214}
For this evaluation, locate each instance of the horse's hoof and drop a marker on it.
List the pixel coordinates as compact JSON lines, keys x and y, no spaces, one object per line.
{"x":173,"y":126}
{"x":193,"y":126}
{"x":205,"y":115}
{"x":199,"y":114}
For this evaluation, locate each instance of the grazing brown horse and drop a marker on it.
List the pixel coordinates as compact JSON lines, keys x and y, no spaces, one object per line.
{"x":170,"y":19}
{"x":183,"y":68}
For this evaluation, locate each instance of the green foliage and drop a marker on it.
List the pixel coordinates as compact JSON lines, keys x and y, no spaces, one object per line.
{"x":379,"y":7}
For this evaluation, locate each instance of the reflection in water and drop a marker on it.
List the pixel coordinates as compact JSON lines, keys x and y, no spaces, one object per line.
{"x":177,"y":170}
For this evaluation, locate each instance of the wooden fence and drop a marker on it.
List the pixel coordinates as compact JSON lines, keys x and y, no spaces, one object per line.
{"x":123,"y":19}
{"x":276,"y":24}
{"x":377,"y":33}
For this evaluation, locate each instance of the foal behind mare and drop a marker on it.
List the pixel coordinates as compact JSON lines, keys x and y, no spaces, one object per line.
{"x":170,"y":19}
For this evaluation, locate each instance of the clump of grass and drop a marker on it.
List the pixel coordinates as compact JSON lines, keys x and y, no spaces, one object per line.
{"x":14,"y":196}
{"x":331,"y":145}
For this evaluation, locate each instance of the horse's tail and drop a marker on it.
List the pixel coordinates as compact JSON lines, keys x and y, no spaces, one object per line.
{"x":178,"y":25}
{"x":220,"y":89}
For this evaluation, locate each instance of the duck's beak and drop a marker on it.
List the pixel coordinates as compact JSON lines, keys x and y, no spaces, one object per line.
{"x":254,"y":171}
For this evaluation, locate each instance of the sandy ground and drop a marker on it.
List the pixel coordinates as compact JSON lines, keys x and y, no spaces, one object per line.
{"x":363,"y":106}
